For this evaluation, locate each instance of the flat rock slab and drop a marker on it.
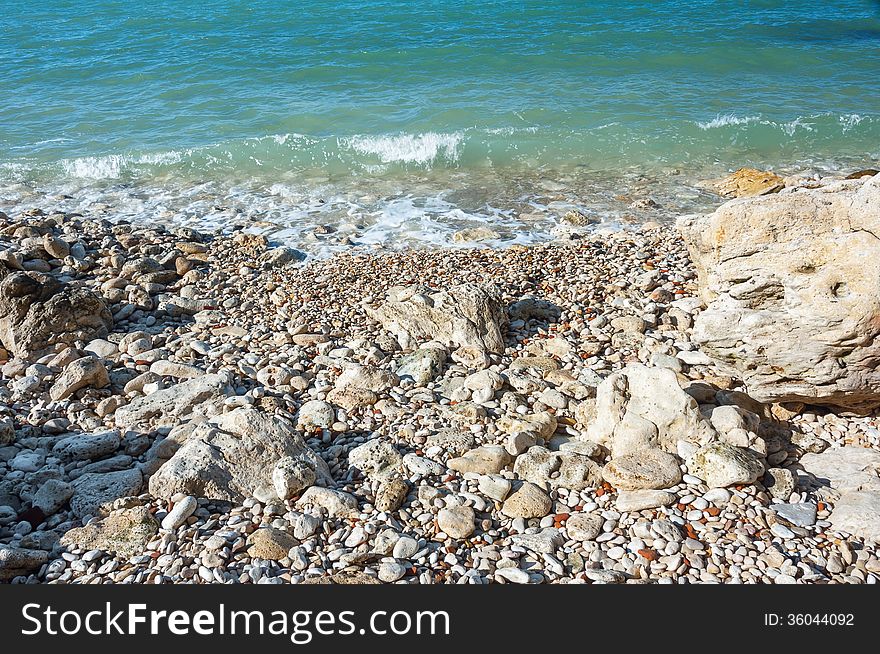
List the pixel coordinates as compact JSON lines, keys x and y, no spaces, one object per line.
{"x":853,"y":473}
{"x":801,"y":515}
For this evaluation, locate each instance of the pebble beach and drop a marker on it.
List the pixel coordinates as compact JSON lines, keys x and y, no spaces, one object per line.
{"x":405,"y":459}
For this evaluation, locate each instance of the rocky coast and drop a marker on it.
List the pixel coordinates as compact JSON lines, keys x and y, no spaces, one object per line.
{"x":688,"y":403}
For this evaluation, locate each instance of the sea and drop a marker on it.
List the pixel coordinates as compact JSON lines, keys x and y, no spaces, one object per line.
{"x":388,"y":124}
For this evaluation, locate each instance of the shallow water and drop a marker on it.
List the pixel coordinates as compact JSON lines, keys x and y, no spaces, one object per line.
{"x":397,"y":123}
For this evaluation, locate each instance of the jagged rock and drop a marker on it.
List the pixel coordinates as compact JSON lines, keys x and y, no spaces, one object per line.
{"x":641,"y":408}
{"x":37,"y":312}
{"x":546,"y":541}
{"x":851,"y":475}
{"x":291,"y":476}
{"x":465,"y":315}
{"x":721,"y":465}
{"x":234,"y":456}
{"x":174,"y":404}
{"x":125,"y":532}
{"x":558,"y":469}
{"x":94,"y":490}
{"x":78,"y":374}
{"x":792,"y":287}
{"x":495,"y":487}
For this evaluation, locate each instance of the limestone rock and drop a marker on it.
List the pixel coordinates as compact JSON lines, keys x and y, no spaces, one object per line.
{"x":171,"y":405}
{"x":94,"y":490}
{"x":721,"y":465}
{"x":315,"y":413}
{"x":584,"y":526}
{"x":640,"y":500}
{"x":125,"y":532}
{"x":484,"y":460}
{"x":37,"y":311}
{"x":84,"y":447}
{"x":376,"y":458}
{"x":368,"y":378}
{"x":391,"y":494}
{"x":52,"y":495}
{"x":270,"y":544}
{"x":291,"y":476}
{"x":7,"y":431}
{"x":526,"y":501}
{"x":474,"y":234}
{"x":456,"y":521}
{"x":465,"y":315}
{"x":233,"y":457}
{"x":645,"y":469}
{"x":538,"y":425}
{"x":80,"y":373}
{"x":17,"y":561}
{"x":853,"y":475}
{"x":641,"y":408}
{"x":792,"y":287}
{"x":546,"y":541}
{"x":749,"y":182}
{"x":558,"y":469}
{"x":182,"y":510}
{"x":336,"y":503}
{"x":352,"y":398}
{"x":423,"y":365}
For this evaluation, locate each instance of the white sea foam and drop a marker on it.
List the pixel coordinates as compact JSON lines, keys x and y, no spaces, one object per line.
{"x":112,"y":166}
{"x":727,"y":120}
{"x":407,"y":148}
{"x":848,"y":121}
{"x":792,"y":126}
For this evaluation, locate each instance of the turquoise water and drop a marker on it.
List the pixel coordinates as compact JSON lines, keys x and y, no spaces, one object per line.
{"x":399,"y":122}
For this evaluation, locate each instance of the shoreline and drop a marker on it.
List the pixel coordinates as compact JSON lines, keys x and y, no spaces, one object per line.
{"x":431,"y":206}
{"x":411,"y":505}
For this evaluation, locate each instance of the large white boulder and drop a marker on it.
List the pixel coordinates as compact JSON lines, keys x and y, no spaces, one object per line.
{"x":792,"y":287}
